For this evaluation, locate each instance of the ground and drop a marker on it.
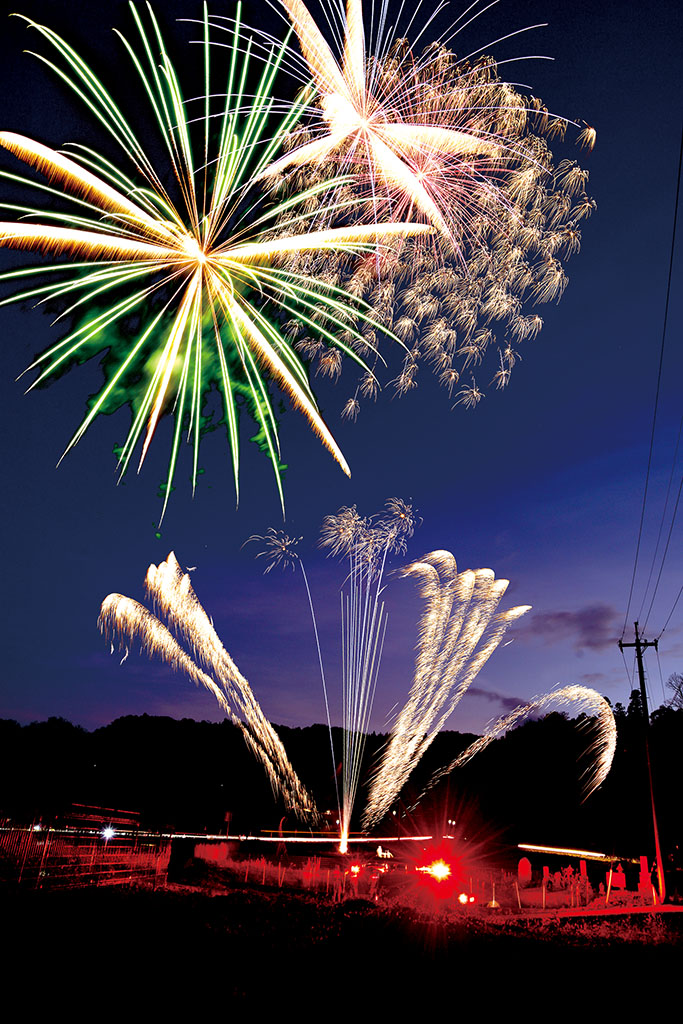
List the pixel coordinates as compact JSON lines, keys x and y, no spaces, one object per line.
{"x":271,"y":948}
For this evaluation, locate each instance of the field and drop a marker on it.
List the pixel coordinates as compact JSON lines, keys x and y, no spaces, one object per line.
{"x":259,"y":947}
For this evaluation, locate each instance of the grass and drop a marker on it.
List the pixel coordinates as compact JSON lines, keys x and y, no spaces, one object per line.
{"x":268,"y":946}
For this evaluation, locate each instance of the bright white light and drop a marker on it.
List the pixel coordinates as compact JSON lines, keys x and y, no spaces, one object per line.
{"x":438,"y":869}
{"x":108,"y":832}
{"x":193,"y":250}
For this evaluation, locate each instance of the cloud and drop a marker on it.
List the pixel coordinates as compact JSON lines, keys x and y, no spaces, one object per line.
{"x":673,"y":650}
{"x":594,"y":627}
{"x":507,"y":702}
{"x":595,"y":679}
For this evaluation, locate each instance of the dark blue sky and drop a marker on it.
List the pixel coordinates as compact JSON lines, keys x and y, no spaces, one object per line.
{"x":542,"y":483}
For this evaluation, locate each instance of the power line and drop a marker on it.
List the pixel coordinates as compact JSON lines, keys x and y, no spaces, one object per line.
{"x":661,"y":678}
{"x":672,"y":611}
{"x":659,"y":379}
{"x":661,"y":527}
{"x":666,"y":548}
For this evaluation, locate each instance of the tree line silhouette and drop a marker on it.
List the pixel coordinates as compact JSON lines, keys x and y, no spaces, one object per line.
{"x":525,"y":787}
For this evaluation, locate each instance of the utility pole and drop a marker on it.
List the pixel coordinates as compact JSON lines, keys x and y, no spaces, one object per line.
{"x":641,"y":645}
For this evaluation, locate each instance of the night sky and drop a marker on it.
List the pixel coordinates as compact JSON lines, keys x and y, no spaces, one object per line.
{"x":543,"y":482}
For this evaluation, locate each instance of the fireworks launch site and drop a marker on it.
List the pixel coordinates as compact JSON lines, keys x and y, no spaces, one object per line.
{"x":227,"y":892}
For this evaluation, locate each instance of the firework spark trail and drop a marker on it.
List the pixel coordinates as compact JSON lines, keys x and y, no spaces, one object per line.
{"x":589,"y":701}
{"x":367,"y":543}
{"x":171,"y":590}
{"x":363,"y":628}
{"x":280,"y":550}
{"x":205,"y":267}
{"x":458,"y":632}
{"x":124,"y":619}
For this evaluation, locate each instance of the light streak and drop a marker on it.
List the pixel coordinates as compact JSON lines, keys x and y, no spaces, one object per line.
{"x":279,"y":549}
{"x":330,"y":839}
{"x":123,"y":620}
{"x":351,"y":839}
{"x":222,"y":837}
{"x":188,"y":248}
{"x":584,"y":854}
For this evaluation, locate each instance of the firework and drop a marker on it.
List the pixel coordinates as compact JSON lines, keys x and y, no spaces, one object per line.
{"x":590,"y":702}
{"x":196,"y":262}
{"x":369,"y":541}
{"x":125,"y":621}
{"x":458,"y":633}
{"x":279,"y":549}
{"x":508,"y":216}
{"x":366,"y":543}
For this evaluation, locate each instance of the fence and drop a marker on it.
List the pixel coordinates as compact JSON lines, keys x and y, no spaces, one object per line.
{"x":68,"y":859}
